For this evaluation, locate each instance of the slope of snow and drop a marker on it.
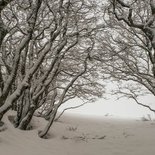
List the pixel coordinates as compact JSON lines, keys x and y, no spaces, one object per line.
{"x":81,"y":136}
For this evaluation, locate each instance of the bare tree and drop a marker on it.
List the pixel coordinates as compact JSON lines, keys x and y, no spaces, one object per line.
{"x":45,"y":57}
{"x":126,"y":47}
{"x":6,"y":102}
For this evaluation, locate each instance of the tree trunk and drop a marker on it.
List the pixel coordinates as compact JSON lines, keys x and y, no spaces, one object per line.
{"x":25,"y":122}
{"x":3,"y":31}
{"x":43,"y":133}
{"x":19,"y":109}
{"x":19,"y":115}
{"x":3,"y":112}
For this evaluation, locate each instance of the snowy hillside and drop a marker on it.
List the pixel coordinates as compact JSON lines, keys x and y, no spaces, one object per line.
{"x":81,"y":136}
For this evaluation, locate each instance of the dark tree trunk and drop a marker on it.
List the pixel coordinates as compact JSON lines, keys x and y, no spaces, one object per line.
{"x":43,"y":133}
{"x":2,"y":113}
{"x":25,"y":122}
{"x":19,"y":111}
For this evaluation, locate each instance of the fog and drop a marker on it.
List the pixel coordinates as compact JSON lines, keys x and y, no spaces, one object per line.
{"x":124,"y":107}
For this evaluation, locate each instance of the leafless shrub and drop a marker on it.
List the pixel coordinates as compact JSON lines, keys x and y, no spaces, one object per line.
{"x":146,"y":118}
{"x":71,"y":128}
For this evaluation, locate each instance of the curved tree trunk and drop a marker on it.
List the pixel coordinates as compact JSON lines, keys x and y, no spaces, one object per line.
{"x":69,"y":108}
{"x":43,"y":133}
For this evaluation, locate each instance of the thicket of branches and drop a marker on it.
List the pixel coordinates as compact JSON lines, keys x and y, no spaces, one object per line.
{"x":45,"y":57}
{"x":126,"y":48}
{"x":54,"y":51}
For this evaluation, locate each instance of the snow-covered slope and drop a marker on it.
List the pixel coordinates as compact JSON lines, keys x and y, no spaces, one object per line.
{"x":81,"y":136}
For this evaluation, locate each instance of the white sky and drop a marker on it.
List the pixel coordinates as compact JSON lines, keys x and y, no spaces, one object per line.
{"x":121,"y":108}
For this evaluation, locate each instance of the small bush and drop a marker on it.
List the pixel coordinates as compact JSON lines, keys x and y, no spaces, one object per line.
{"x":146,"y":118}
{"x":72,"y":128}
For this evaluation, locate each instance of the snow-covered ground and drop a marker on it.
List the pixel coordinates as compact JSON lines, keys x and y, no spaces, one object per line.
{"x":74,"y":135}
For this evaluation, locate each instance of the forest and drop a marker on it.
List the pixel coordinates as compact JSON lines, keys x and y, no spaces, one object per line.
{"x":52,"y":51}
